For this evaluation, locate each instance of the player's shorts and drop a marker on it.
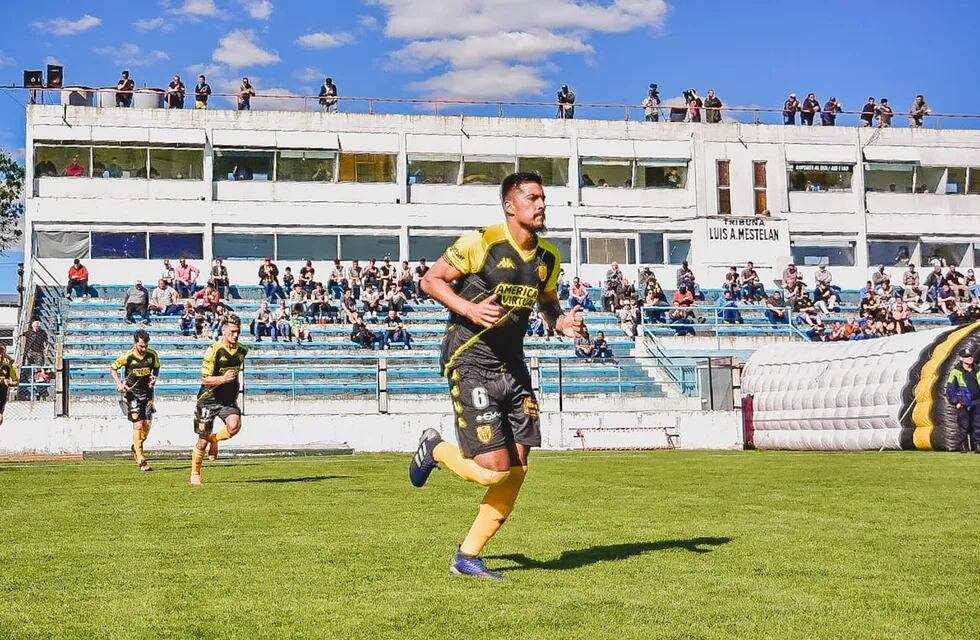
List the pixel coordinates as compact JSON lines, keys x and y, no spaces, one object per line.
{"x":137,"y":407}
{"x":4,"y":392}
{"x":494,"y":408}
{"x":207,"y":410}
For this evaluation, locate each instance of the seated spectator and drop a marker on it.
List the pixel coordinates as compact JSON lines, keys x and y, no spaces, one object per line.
{"x":297,"y":298}
{"x":869,"y":305}
{"x":35,"y":344}
{"x":217,"y":319}
{"x":348,"y":307}
{"x":406,"y":282}
{"x":537,"y":325}
{"x":371,"y":300}
{"x":394,"y":297}
{"x":655,"y":301}
{"x":957,"y":282}
{"x":825,"y":298}
{"x":838,"y":332}
{"x":791,"y":276}
{"x":395,"y":332}
{"x":809,"y":318}
{"x":681,"y":313}
{"x":337,"y":282}
{"x":563,"y":286}
{"x":319,"y":304}
{"x":610,"y":296}
{"x":910,"y":280}
{"x":288,"y":280}
{"x":263,"y":324}
{"x":188,"y":321}
{"x":386,"y":273}
{"x":163,"y":300}
{"x":868,"y":289}
{"x":886,"y":290}
{"x":363,"y":336}
{"x":629,"y":318}
{"x":902,"y":317}
{"x":420,"y":272}
{"x":685,"y":277}
{"x":583,"y":346}
{"x":298,"y":325}
{"x":600,"y":348}
{"x":852,"y":329}
{"x":186,"y":275}
{"x":777,"y":311}
{"x":372,"y":275}
{"x":77,"y":280}
{"x":283,"y":322}
{"x":823,"y":275}
{"x":75,"y":169}
{"x":934,"y":282}
{"x":44,"y":168}
{"x":949,"y":305}
{"x":728,"y":308}
{"x":732,"y":283}
{"x":207,"y":298}
{"x":169,"y":274}
{"x":625,"y":292}
{"x":219,"y":277}
{"x":307,"y":275}
{"x":914,"y":298}
{"x":137,"y":302}
{"x":355,"y":278}
{"x":795,"y":291}
{"x":752,"y":289}
{"x":269,"y":280}
{"x":878,"y":276}
{"x":578,"y":296}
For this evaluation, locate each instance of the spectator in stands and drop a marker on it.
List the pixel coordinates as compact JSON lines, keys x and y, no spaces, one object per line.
{"x":297,"y":298}
{"x":319,"y":304}
{"x":168,"y":274}
{"x":902,"y":317}
{"x":629,"y":318}
{"x":363,"y":336}
{"x":885,"y":114}
{"x":77,"y":280}
{"x":298,"y":325}
{"x":918,"y":111}
{"x":329,"y":96}
{"x":263,"y":324}
{"x":915,"y":298}
{"x":934,"y":282}
{"x":536,"y":323}
{"x":651,"y":105}
{"x":610,"y":296}
{"x":219,"y":277}
{"x":420,"y":272}
{"x":971,"y":284}
{"x":75,"y":169}
{"x":207,"y":298}
{"x":269,"y":280}
{"x":566,"y":103}
{"x":600,"y":348}
{"x":732,"y":283}
{"x":372,"y":275}
{"x":44,"y":168}
{"x":406,"y":282}
{"x":348,"y":306}
{"x":217,"y":320}
{"x":752,"y":288}
{"x":35,"y":344}
{"x":137,"y":302}
{"x":655,"y":301}
{"x":337,"y":280}
{"x":810,"y":108}
{"x":823,"y":275}
{"x":163,"y":300}
{"x":957,"y":282}
{"x":283,"y":325}
{"x":187,"y":322}
{"x":124,"y":90}
{"x":790,"y":108}
{"x":712,"y":108}
{"x":825,"y":298}
{"x":886,"y":291}
{"x":681,"y":313}
{"x":175,"y":93}
{"x":583,"y":346}
{"x":831,"y":108}
{"x":728,"y":308}
{"x":578,"y":296}
{"x":948,"y":303}
{"x":307,"y":275}
{"x":868,"y":112}
{"x":202,"y":91}
{"x":685,"y":277}
{"x":776,"y":309}
{"x":186,"y":275}
{"x":910,"y":280}
{"x":245,"y":93}
{"x":355,"y":277}
{"x":371,"y":300}
{"x":808,"y":315}
{"x":287,"y":279}
{"x":387,"y":273}
{"x":394,"y":297}
{"x":395,"y":332}
{"x":790,"y":276}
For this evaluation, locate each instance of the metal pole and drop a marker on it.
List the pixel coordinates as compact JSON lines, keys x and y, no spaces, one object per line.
{"x":561,"y":403}
{"x":711,"y":388}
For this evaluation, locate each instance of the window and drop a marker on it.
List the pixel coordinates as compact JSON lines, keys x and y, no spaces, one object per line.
{"x":243,"y":245}
{"x":367,"y":167}
{"x":61,"y":244}
{"x":890,"y":253}
{"x":306,"y":166}
{"x":118,"y":245}
{"x":661,"y":174}
{"x":927,"y":179}
{"x":833,"y":254}
{"x":553,"y":171}
{"x":177,"y":245}
{"x":486,"y":170}
{"x":233,"y":164}
{"x":599,"y":172}
{"x":820,"y":178}
{"x":724,"y":190}
{"x":433,"y":169}
{"x":956,"y":180}
{"x":678,"y":251}
{"x":54,"y":161}
{"x":306,"y":247}
{"x":564,"y":246}
{"x":974,"y":183}
{"x":367,"y":247}
{"x":946,"y":253}
{"x":118,"y":162}
{"x":759,"y":186}
{"x":889,"y":177}
{"x":652,"y":248}
{"x":429,"y":247}
{"x":177,"y":164}
{"x":608,"y":250}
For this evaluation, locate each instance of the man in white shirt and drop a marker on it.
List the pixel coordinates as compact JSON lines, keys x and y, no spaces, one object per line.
{"x":163,"y":300}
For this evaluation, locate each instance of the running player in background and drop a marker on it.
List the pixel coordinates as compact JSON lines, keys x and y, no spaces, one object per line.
{"x":490,"y":280}
{"x":218,"y":395}
{"x":8,"y":378}
{"x":141,"y":366}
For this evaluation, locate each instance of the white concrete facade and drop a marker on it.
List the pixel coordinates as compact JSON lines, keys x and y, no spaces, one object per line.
{"x":922,"y":223}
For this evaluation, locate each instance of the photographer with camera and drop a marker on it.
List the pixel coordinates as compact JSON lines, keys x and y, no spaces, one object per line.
{"x":566,"y":103}
{"x":651,"y":105}
{"x":712,"y":108}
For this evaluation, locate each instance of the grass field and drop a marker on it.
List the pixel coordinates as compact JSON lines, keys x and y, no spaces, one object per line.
{"x":603,"y":545}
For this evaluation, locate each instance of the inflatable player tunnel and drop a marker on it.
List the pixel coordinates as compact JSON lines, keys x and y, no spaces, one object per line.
{"x":887,"y":393}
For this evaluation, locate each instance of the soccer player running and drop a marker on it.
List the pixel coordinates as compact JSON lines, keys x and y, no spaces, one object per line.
{"x":218,"y":395}
{"x":141,"y":366}
{"x":8,"y":378}
{"x":490,"y":280}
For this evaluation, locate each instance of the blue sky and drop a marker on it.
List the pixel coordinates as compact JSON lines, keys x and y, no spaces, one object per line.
{"x":750,"y":53}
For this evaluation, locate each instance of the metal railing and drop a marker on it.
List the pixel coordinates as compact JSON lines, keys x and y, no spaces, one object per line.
{"x":717,"y":320}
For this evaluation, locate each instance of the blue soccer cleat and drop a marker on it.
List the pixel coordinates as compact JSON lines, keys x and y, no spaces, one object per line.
{"x":473,"y":567}
{"x":422,"y":462}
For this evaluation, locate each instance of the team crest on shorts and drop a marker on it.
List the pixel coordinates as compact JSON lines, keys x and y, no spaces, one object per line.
{"x":484,"y":434}
{"x":531,"y":407}
{"x":542,"y":272}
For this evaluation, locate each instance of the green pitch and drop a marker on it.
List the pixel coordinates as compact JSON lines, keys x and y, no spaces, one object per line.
{"x":603,"y":545}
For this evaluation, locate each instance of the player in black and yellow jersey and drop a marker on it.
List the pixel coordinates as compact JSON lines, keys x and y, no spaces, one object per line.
{"x":141,"y":366}
{"x":8,"y":378}
{"x":491,"y":280}
{"x":218,"y":395}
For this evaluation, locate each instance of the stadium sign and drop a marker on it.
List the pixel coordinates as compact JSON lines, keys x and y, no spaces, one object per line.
{"x":730,"y":240}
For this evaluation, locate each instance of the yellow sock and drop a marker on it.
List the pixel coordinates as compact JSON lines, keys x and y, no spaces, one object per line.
{"x":138,"y":445}
{"x":222,"y":435}
{"x":452,"y":458}
{"x":498,"y":503}
{"x":197,"y":459}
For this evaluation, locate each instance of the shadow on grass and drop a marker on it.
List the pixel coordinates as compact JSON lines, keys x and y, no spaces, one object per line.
{"x":284,"y":480}
{"x":579,"y":558}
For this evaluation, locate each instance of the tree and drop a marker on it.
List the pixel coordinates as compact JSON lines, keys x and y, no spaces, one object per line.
{"x":11,"y":200}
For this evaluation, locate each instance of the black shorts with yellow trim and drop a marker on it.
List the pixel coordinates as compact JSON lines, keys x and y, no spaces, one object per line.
{"x":207,"y":410}
{"x":4,"y":394}
{"x":493,"y":408}
{"x":137,"y":406}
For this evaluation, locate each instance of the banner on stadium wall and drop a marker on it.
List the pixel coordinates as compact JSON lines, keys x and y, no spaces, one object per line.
{"x":731,"y":240}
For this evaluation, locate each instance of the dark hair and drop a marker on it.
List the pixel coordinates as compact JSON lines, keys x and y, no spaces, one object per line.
{"x":232,"y":319}
{"x":965,"y":353}
{"x":141,"y":334}
{"x":515,"y":180}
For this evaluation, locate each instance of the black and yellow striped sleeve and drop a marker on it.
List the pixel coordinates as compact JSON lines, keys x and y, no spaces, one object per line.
{"x":207,"y":365}
{"x":551,"y":284}
{"x":121,"y":361}
{"x":466,"y":255}
{"x":154,"y":362}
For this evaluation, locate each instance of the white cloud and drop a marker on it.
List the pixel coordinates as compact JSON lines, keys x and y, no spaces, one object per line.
{"x":494,"y":80}
{"x":6,"y":60}
{"x":238,"y":49}
{"x":279,"y":99}
{"x":198,"y":8}
{"x":150,"y":24}
{"x":258,"y":9}
{"x":66,"y":27}
{"x":131,"y":55}
{"x":323,"y":40}
{"x":309,"y":74}
{"x":477,"y":51}
{"x":368,"y":22}
{"x":52,"y":60}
